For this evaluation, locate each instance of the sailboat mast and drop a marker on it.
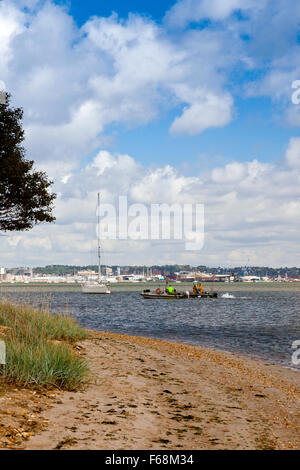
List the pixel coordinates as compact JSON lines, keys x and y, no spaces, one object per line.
{"x":99,"y":254}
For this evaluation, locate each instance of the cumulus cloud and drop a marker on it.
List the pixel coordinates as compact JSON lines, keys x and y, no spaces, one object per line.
{"x":185,"y":11}
{"x":161,"y":185}
{"x":213,"y":111}
{"x":74,"y":83}
{"x":252,"y":213}
{"x":231,"y":173}
{"x":248,"y":28}
{"x":11,"y":24}
{"x":293,"y":152}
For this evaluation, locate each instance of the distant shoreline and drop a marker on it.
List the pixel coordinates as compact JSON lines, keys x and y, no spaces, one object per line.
{"x":139,"y":286}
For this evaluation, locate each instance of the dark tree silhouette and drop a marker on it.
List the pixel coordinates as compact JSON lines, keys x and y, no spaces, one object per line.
{"x":25,"y":199}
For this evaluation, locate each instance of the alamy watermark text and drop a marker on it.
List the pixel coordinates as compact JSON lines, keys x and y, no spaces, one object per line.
{"x":153,"y":222}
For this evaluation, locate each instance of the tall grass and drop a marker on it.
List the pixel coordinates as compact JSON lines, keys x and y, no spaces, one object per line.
{"x":38,"y":348}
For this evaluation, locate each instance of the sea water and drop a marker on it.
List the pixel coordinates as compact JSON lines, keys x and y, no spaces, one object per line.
{"x":259,"y":323}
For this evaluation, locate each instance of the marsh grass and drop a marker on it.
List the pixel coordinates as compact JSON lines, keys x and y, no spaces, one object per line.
{"x":38,"y":348}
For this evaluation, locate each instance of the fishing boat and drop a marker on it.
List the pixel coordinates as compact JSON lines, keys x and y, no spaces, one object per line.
{"x":205,"y":295}
{"x":159,"y":294}
{"x":97,"y":286}
{"x":147,"y":294}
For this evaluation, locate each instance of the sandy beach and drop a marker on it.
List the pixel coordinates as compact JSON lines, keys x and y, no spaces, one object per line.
{"x":152,"y":394}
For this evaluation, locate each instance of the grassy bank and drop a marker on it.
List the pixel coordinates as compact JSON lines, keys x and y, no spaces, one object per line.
{"x":39,"y":348}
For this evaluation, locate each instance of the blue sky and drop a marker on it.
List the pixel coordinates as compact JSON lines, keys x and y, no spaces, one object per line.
{"x":165,"y":102}
{"x":82,"y":11}
{"x":253,"y":133}
{"x":256,"y":131}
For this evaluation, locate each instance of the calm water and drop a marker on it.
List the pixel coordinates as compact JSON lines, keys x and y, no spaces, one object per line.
{"x":262,"y":324}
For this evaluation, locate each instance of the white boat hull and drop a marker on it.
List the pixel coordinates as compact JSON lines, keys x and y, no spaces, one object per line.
{"x":95,"y":289}
{"x":99,"y":286}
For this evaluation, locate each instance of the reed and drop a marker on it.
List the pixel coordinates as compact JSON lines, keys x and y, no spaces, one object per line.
{"x":39,"y":348}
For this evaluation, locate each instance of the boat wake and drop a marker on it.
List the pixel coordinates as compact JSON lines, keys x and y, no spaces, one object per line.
{"x":228,"y":296}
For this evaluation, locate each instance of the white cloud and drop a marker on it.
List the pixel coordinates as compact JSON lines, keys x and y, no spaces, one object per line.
{"x":11,"y":24}
{"x":66,"y":178}
{"x":231,"y":173}
{"x":33,"y":243}
{"x":73,"y":83}
{"x":293,"y":152}
{"x":246,"y":174}
{"x":213,"y":111}
{"x":249,"y":36}
{"x":103,"y":161}
{"x":252,"y":214}
{"x":161,"y":185}
{"x":185,"y":11}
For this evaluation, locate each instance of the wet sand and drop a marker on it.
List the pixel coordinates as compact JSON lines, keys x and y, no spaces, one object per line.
{"x":154,"y":394}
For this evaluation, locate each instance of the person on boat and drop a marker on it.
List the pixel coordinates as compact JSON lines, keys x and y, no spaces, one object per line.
{"x":200,"y":288}
{"x":195,"y":289}
{"x":171,"y":290}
